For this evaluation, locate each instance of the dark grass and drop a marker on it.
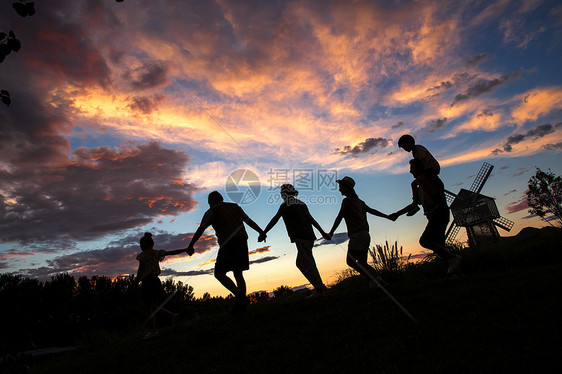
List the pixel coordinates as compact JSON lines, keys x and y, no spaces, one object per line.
{"x":503,"y":316}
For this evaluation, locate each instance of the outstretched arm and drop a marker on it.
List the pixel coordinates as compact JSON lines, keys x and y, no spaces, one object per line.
{"x":200,"y":230}
{"x":318,"y":227}
{"x":175,"y":252}
{"x":269,"y":226}
{"x":254,"y":225}
{"x":337,"y":222}
{"x":404,"y":210}
{"x":376,"y":212}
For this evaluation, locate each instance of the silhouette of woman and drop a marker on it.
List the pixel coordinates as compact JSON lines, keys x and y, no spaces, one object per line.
{"x":299,"y":223}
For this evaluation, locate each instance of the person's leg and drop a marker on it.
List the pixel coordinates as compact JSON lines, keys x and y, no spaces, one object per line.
{"x":240,"y":281}
{"x":306,"y":264}
{"x":151,"y":317}
{"x":227,"y":282}
{"x":433,"y":236}
{"x":358,"y":249}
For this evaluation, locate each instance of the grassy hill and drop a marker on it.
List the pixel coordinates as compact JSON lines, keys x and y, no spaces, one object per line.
{"x":503,"y":315}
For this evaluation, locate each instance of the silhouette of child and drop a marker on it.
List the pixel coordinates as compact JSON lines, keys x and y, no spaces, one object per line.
{"x":228,"y":220}
{"x":299,"y":222}
{"x":419,"y":152}
{"x":151,"y":288}
{"x":430,"y":193}
{"x":354,"y":212}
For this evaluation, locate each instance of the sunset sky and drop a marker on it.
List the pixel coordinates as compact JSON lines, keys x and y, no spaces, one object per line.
{"x":124,"y":117}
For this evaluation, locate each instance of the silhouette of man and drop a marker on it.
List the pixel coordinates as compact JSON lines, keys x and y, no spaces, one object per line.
{"x":429,"y":191}
{"x":354,"y":211}
{"x":228,"y":220}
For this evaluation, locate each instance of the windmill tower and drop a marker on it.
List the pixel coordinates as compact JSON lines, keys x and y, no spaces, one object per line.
{"x":477,"y":213}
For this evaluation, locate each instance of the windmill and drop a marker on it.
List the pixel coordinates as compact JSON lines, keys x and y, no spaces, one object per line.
{"x":477,"y":213}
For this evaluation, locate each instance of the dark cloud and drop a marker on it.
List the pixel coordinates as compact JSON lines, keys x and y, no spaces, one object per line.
{"x":363,"y":147}
{"x":537,"y":132}
{"x":553,"y":147}
{"x":398,"y":125}
{"x":144,"y":104}
{"x":60,"y":46}
{"x":189,"y":273}
{"x":517,"y":206}
{"x":119,"y":257}
{"x":445,"y":85}
{"x":510,"y":192}
{"x":94,"y":192}
{"x":482,"y":87}
{"x":265,"y":249}
{"x":485,"y":113}
{"x":149,"y":75}
{"x":519,"y":172}
{"x":475,"y":60}
{"x":264,"y":259}
{"x":435,"y":124}
{"x":338,"y":238}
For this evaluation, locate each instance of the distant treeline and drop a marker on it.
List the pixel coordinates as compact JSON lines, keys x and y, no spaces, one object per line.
{"x":62,"y":311}
{"x":65,"y":311}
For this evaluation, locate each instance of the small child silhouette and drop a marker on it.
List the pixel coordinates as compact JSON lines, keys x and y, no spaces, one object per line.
{"x":151,"y":288}
{"x":419,"y":152}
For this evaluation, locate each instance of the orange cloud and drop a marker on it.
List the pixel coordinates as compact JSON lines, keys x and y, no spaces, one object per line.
{"x":260,"y":250}
{"x":536,"y":103}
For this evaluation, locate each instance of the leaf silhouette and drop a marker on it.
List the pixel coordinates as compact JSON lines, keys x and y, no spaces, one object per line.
{"x":30,"y":8}
{"x":5,"y":97}
{"x":11,"y":34}
{"x":3,"y":35}
{"x":14,"y":44}
{"x":4,"y":51}
{"x":21,"y":9}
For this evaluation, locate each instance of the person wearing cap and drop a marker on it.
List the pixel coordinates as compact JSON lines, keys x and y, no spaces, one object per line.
{"x":228,"y":221}
{"x":430,"y":193}
{"x":354,"y":212}
{"x":299,"y":223}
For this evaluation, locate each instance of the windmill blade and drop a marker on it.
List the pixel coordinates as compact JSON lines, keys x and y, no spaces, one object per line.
{"x":452,"y":233}
{"x":481,"y":178}
{"x":504,"y":223}
{"x":449,"y":196}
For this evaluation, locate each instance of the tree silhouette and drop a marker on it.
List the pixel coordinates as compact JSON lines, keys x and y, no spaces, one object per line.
{"x":544,"y":196}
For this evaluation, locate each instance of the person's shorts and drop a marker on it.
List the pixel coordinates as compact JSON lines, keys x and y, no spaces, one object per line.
{"x":233,"y":256}
{"x":436,"y":226}
{"x":151,"y":289}
{"x":358,"y":245}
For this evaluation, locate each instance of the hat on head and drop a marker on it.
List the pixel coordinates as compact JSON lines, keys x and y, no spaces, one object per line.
{"x":348,"y":181}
